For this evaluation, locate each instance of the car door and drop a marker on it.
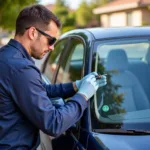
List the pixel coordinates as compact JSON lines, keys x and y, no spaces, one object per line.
{"x":49,"y":70}
{"x":71,"y":68}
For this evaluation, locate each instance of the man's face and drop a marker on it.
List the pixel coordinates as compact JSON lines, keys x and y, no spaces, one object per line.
{"x":42,"y":43}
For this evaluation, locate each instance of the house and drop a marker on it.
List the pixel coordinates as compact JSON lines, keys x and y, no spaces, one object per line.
{"x":124,"y":13}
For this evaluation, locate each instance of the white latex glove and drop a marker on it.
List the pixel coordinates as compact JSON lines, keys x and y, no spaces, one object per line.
{"x":89,"y":86}
{"x":78,"y":82}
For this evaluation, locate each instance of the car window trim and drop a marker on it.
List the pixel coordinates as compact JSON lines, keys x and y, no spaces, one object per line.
{"x":66,"y":52}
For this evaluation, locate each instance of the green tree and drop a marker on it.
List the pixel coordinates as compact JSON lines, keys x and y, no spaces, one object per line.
{"x":91,"y":19}
{"x":61,"y":10}
{"x":66,"y":16}
{"x":97,"y":3}
{"x":83,"y":14}
{"x":70,"y":22}
{"x":9,"y":10}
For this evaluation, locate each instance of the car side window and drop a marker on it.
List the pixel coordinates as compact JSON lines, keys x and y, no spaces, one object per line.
{"x":125,"y":96}
{"x":72,"y":64}
{"x":53,"y":59}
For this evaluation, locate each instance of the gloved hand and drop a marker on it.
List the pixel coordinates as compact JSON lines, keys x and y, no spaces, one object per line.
{"x":89,"y":86}
{"x":101,"y":81}
{"x":78,"y":82}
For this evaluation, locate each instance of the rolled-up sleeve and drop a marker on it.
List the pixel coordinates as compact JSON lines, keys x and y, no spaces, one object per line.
{"x":29,"y":94}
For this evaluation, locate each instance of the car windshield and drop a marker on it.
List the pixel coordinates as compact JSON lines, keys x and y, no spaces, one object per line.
{"x":125,"y":100}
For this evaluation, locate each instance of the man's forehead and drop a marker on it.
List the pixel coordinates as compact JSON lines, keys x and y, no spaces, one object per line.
{"x":52,"y":25}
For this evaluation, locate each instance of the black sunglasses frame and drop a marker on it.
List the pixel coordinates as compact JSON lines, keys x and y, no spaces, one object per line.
{"x":51,"y":40}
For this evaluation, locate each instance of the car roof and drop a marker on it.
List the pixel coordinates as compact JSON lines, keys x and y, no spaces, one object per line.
{"x":105,"y":33}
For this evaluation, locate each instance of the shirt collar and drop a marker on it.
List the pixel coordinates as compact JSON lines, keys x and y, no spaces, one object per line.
{"x":20,"y":47}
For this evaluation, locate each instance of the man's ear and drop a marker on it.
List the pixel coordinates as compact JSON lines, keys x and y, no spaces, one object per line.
{"x":32,"y":33}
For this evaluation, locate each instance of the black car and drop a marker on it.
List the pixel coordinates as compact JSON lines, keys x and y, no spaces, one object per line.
{"x":118,"y":115}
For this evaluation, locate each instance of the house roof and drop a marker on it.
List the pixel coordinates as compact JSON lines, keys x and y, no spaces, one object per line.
{"x":118,"y":5}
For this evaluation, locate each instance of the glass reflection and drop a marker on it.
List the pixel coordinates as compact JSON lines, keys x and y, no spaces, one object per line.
{"x":125,"y":98}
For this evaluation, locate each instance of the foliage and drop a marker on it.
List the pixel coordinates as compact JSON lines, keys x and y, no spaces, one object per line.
{"x":66,"y":16}
{"x":61,"y":10}
{"x":9,"y":10}
{"x":97,"y":3}
{"x":70,"y":19}
{"x":83,"y":14}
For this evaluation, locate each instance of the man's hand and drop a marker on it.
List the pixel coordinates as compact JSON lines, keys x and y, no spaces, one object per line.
{"x":78,"y":82}
{"x":88,"y":87}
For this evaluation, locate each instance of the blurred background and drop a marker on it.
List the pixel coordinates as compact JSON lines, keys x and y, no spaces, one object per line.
{"x":79,"y":14}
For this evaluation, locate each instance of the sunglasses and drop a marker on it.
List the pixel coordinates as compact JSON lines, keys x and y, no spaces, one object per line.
{"x":51,"y":40}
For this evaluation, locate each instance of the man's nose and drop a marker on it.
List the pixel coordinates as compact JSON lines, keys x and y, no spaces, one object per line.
{"x":51,"y":47}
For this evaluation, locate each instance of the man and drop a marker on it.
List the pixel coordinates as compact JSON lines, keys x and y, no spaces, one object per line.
{"x":25,"y":105}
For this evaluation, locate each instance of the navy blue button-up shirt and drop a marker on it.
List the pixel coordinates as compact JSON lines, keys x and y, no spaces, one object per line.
{"x":25,"y":101}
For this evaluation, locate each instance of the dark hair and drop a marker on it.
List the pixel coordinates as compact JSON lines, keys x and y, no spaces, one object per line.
{"x":36,"y":15}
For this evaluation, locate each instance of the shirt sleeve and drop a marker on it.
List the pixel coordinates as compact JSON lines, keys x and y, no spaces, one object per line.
{"x":30,"y":96}
{"x":61,"y":90}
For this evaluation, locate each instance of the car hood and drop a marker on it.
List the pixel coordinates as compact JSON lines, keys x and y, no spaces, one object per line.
{"x":123,"y":142}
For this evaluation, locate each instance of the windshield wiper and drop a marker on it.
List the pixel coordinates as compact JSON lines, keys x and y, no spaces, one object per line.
{"x":123,"y":131}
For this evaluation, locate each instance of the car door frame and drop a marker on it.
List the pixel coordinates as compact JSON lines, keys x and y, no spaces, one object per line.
{"x":85,"y":120}
{"x":69,"y":132}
